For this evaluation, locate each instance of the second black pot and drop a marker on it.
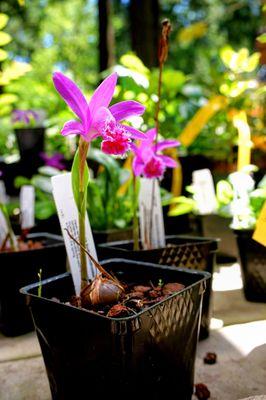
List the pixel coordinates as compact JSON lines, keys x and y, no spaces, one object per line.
{"x":187,"y":251}
{"x":253,"y":266}
{"x":20,"y":268}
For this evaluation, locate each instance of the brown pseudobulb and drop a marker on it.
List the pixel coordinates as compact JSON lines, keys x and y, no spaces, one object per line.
{"x":101,"y":291}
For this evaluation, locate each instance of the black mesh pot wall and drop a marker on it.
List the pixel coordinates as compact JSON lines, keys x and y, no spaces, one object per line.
{"x":181,"y":251}
{"x":148,"y":355}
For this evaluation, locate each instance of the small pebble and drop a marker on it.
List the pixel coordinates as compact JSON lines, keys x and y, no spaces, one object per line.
{"x":202,"y":392}
{"x":210,"y":358}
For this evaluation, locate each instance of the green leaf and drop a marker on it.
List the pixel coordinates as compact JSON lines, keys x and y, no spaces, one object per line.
{"x":95,"y":207}
{"x":80,"y":193}
{"x":44,"y":209}
{"x":3,"y":20}
{"x":262,"y":38}
{"x":182,"y":208}
{"x":7,"y":98}
{"x":224,"y":192}
{"x":21,"y":181}
{"x":5,"y":38}
{"x":134,"y":63}
{"x":3,"y":55}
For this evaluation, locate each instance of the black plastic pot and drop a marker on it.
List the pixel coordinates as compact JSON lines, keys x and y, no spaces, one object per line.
{"x":20,"y":268}
{"x":148,"y":355}
{"x":112,"y":235}
{"x":253,"y":266}
{"x":182,"y":251}
{"x":217,"y":226}
{"x":31,"y":145}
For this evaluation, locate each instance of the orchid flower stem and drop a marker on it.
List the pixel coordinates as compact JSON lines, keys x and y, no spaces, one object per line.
{"x":83,"y":151}
{"x":135,"y":215}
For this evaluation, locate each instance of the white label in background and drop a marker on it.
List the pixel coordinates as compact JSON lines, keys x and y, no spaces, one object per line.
{"x":151,"y":232}
{"x":27,"y":200}
{"x":203,"y":185}
{"x":3,"y":228}
{"x":68,"y":217}
{"x":3,"y":196}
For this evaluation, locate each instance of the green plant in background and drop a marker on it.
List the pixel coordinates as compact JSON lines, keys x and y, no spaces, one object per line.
{"x":244,"y":208}
{"x":107,"y":208}
{"x":44,"y":203}
{"x":10,"y":71}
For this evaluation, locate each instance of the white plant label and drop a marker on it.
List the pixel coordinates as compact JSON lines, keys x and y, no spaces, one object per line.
{"x":27,"y":200}
{"x":203,"y":185}
{"x":3,"y":195}
{"x":3,"y":228}
{"x":68,"y":217}
{"x":151,"y":223}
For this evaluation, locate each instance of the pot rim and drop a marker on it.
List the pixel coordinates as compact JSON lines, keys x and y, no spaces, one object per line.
{"x":44,"y":235}
{"x":204,"y":277}
{"x":196,"y":241}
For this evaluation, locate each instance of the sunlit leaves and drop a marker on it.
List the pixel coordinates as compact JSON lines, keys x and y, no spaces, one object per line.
{"x":3,"y":55}
{"x":194,"y":31}
{"x":262,"y":38}
{"x":5,"y":38}
{"x":3,"y":20}
{"x":132,"y":62}
{"x":239,"y":61}
{"x":13,"y":71}
{"x":7,"y":98}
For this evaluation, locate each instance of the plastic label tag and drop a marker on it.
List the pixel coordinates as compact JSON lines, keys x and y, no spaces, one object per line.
{"x":151,"y":226}
{"x":203,"y":185}
{"x":3,"y":195}
{"x":27,"y":199}
{"x":260,"y":231}
{"x":68,"y":217}
{"x":3,"y":228}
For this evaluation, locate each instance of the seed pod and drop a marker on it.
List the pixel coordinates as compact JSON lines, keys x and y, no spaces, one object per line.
{"x":101,"y":291}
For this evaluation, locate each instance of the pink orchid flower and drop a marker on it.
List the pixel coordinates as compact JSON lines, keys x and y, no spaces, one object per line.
{"x":96,"y":118}
{"x":148,"y":161}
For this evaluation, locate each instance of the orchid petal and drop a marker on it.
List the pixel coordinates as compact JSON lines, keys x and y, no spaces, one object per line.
{"x":103,"y":94}
{"x":164,"y":144}
{"x":135,"y":133}
{"x":151,"y":134}
{"x":126,"y":109}
{"x":168,"y":161}
{"x":134,"y":148}
{"x":101,"y":116}
{"x":137,"y":166}
{"x":72,"y":127}
{"x":71,"y":94}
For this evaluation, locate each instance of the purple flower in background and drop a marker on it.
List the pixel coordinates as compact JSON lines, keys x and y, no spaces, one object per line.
{"x":25,"y":116}
{"x":148,"y":161}
{"x":54,"y":161}
{"x":96,"y":118}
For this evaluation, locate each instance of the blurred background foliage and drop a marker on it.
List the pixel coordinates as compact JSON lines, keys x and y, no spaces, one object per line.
{"x":212,"y":53}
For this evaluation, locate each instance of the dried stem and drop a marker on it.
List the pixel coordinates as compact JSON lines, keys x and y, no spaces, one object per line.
{"x":5,"y":242}
{"x":162,"y":57}
{"x":97,"y":265}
